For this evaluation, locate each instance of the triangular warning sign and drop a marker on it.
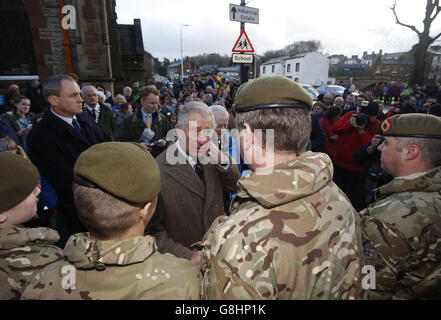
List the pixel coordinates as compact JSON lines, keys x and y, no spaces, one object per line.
{"x":243,"y":44}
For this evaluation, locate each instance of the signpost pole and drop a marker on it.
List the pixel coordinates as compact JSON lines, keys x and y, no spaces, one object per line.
{"x":243,"y":68}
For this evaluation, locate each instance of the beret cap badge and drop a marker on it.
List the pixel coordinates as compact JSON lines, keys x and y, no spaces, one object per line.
{"x":385,"y":126}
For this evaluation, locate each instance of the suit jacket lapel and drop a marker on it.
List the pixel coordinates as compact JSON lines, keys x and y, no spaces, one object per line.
{"x":185,"y":174}
{"x":63,"y":129}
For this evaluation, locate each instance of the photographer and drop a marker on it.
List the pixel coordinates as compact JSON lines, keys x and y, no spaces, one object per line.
{"x":354,"y":130}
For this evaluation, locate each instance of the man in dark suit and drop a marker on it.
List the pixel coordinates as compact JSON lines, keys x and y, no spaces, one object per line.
{"x":194,"y":174}
{"x":102,"y":114}
{"x":56,"y":142}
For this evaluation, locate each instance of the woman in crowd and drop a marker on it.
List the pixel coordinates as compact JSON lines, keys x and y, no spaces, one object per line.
{"x":119,"y":100}
{"x":125,"y":110}
{"x":166,"y":104}
{"x":21,"y":120}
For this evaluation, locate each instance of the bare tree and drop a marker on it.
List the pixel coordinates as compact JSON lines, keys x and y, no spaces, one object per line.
{"x":433,"y":8}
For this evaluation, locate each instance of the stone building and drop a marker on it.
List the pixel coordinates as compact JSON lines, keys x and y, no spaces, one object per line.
{"x":35,"y":45}
{"x":434,"y":74}
{"x":399,"y":64}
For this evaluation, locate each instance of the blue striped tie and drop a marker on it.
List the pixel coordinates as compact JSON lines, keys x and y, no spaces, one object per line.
{"x":76,"y":125}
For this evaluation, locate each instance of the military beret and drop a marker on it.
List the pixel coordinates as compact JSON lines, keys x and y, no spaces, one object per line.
{"x":416,"y":125}
{"x":271,"y":92}
{"x":123,"y":169}
{"x":18,"y":178}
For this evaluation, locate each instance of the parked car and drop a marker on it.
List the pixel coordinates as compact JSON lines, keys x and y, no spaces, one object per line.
{"x":314,"y":94}
{"x":337,"y":89}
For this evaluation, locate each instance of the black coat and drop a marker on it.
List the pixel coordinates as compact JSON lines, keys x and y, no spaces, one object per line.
{"x":54,"y":146}
{"x":106,"y":119}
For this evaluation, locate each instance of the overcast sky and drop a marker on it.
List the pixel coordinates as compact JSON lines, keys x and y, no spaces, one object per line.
{"x":346,"y":27}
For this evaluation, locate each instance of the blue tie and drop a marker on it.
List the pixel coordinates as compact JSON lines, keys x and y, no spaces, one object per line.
{"x":76,"y":126}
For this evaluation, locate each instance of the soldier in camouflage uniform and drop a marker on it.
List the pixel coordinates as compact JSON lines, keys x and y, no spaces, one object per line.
{"x":23,"y":251}
{"x":402,"y":229}
{"x":115,"y":260}
{"x":292,"y":233}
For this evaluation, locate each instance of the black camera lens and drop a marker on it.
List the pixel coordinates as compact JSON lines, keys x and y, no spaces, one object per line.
{"x":360,"y":121}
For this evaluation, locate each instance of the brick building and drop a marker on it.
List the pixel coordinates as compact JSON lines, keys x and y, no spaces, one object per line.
{"x":34,"y":44}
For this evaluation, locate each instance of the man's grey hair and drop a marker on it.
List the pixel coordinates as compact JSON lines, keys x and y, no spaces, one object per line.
{"x":52,"y":86}
{"x":430,"y":148}
{"x":85,"y":88}
{"x":219,"y":110}
{"x":193,"y":106}
{"x":127,"y":88}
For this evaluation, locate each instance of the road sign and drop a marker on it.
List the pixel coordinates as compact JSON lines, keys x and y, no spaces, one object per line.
{"x":244,"y":14}
{"x":242,"y":58}
{"x":243,"y":44}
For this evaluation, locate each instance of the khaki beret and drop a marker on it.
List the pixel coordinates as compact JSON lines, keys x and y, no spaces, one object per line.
{"x":418,"y":125}
{"x":123,"y":169}
{"x":18,"y":178}
{"x":271,"y":92}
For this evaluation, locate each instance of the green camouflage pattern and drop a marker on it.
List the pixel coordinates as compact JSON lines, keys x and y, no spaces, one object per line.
{"x":23,"y":253}
{"x":292,"y":234}
{"x":131,"y":269}
{"x":402,"y":237}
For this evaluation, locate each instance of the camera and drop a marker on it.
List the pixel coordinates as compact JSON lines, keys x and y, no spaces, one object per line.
{"x":361,"y":119}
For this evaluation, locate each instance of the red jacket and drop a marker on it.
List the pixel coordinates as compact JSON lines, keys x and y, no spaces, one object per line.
{"x":349,"y":141}
{"x":328,"y":147}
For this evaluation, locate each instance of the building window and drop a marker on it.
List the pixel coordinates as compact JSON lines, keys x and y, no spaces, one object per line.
{"x":15,"y":31}
{"x":264,"y":69}
{"x":296,"y":79}
{"x":273,"y":68}
{"x":297,"y":67}
{"x":288,"y":68}
{"x":289,"y":77}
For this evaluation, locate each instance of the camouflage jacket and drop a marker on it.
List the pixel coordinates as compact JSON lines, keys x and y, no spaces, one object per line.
{"x":292,"y":234}
{"x":402,"y":237}
{"x":23,"y":253}
{"x":115,"y":270}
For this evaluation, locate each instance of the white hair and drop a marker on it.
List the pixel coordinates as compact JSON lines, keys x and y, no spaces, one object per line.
{"x":88,"y":88}
{"x":193,"y":106}
{"x":120,"y":96}
{"x":102,"y":95}
{"x":219,"y":110}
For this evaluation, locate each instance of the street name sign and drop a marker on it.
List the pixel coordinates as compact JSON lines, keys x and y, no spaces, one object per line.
{"x":242,"y":58}
{"x":244,"y":14}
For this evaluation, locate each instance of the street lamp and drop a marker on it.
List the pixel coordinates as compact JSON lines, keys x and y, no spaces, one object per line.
{"x":182,"y":60}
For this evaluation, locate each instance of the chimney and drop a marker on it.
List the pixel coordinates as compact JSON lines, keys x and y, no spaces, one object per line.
{"x":364,"y":54}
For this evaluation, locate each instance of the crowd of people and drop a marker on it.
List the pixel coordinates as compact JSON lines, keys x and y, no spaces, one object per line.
{"x":147,"y":205}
